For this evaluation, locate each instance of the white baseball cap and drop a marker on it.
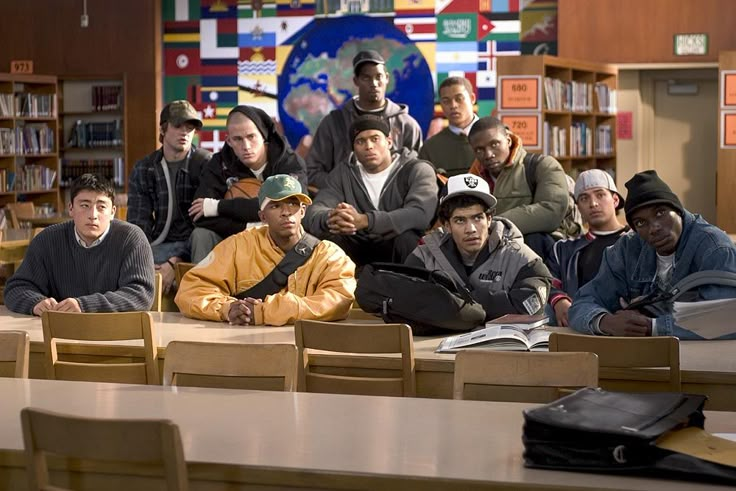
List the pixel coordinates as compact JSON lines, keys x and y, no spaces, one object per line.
{"x":596,"y":178}
{"x":471,"y":185}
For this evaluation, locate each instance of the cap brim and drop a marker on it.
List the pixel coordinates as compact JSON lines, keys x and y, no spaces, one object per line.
{"x":488,"y":199}
{"x":302,"y":198}
{"x":178,"y":122}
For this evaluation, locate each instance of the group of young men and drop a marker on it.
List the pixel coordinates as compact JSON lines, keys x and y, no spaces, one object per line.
{"x":268,"y":253}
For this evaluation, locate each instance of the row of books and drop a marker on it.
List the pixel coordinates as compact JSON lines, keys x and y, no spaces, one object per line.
{"x":107,"y":97}
{"x":27,"y":105}
{"x":95,"y":134}
{"x":31,"y":139}
{"x":554,"y":140}
{"x":575,"y":96}
{"x":581,"y":139}
{"x":7,"y":180}
{"x":603,"y":140}
{"x":35,"y":177}
{"x":113,"y":169}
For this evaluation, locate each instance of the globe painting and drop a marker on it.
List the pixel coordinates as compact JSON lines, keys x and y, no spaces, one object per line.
{"x":317,"y":76}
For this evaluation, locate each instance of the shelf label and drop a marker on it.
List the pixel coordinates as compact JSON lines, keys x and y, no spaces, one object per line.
{"x":21,"y":66}
{"x":728,"y":129}
{"x":520,"y":92}
{"x":526,"y":126}
{"x":728,"y":88}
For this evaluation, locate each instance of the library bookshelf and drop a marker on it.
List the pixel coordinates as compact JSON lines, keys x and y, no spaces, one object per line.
{"x":561,"y":107}
{"x":92,"y":127}
{"x":29,"y":157}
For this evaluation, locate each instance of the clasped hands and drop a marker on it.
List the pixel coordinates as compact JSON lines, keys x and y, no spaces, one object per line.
{"x":344,"y":219}
{"x":50,"y":303}
{"x":242,"y":312}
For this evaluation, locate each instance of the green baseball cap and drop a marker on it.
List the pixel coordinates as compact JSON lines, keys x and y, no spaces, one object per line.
{"x":280,"y":187}
{"x":178,"y":113}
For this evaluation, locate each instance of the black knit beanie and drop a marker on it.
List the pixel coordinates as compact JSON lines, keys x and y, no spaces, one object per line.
{"x":368,"y":122}
{"x":646,"y":188}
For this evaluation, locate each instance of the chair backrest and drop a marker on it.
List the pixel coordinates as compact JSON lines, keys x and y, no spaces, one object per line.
{"x":181,"y":269}
{"x":146,"y":441}
{"x":18,"y":211}
{"x":515,"y":376}
{"x":231,"y":366}
{"x":115,"y":326}
{"x":158,"y":286}
{"x":379,"y":376}
{"x":14,"y":353}
{"x":646,"y":353}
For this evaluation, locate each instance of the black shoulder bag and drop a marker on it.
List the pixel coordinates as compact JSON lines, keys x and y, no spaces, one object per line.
{"x":279,"y":276}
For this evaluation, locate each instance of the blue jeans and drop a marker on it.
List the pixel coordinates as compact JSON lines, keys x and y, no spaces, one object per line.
{"x":165,"y":250}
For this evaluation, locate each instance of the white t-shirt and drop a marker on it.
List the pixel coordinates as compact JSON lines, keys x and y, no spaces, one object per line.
{"x":374,"y":182}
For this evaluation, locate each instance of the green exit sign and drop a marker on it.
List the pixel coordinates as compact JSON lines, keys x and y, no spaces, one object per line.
{"x":691,"y":44}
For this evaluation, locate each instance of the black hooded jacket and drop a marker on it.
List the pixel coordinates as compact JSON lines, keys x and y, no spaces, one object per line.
{"x":234,"y":214}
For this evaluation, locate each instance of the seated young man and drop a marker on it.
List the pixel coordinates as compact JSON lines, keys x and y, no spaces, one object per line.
{"x":669,"y":243}
{"x":486,"y":254}
{"x":377,"y":205}
{"x":92,"y":263}
{"x":321,"y":288}
{"x":574,"y":262}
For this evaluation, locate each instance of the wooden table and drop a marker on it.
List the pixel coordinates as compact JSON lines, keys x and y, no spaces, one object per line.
{"x":708,"y":367}
{"x":319,"y":441}
{"x":15,"y":237}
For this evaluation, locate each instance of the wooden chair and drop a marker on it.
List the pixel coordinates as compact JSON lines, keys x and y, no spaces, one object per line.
{"x":231,"y":366}
{"x":158,"y":286}
{"x":181,"y":270}
{"x":116,"y":326}
{"x":514,"y":376}
{"x":375,"y":376}
{"x":18,"y":211}
{"x":129,"y":441}
{"x":14,"y":354}
{"x":356,"y":313}
{"x":616,"y":353}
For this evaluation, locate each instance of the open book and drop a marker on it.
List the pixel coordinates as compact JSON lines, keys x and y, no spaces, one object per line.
{"x":707,"y":318}
{"x":501,"y":337}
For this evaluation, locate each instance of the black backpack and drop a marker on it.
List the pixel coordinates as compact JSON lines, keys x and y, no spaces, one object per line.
{"x":429,"y":301}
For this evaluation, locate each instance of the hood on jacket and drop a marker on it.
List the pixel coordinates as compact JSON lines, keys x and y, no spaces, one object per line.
{"x":277,"y":144}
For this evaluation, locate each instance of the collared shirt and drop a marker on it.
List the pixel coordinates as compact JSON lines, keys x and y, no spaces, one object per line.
{"x":97,"y":242}
{"x":465,"y":131}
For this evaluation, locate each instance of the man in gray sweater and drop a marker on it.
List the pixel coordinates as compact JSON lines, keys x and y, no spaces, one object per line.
{"x":92,"y":263}
{"x":378,"y":204}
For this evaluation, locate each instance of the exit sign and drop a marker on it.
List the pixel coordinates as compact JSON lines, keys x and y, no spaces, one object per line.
{"x":691,"y":44}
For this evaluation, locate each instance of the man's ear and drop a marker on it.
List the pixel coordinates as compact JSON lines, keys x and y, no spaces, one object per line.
{"x":616,"y":200}
{"x":260,"y":215}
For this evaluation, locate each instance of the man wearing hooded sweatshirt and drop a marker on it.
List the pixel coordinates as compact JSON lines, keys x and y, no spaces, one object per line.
{"x":486,"y":254}
{"x":666,"y":244}
{"x":499,"y":160}
{"x":377,"y":205}
{"x":331,"y":145}
{"x":253,"y":150}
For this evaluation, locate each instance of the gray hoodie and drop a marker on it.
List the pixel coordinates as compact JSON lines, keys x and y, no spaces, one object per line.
{"x":506,"y":278}
{"x":408,"y":198}
{"x":332,"y":146}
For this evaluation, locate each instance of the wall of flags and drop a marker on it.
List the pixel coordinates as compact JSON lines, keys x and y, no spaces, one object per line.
{"x":220,"y":53}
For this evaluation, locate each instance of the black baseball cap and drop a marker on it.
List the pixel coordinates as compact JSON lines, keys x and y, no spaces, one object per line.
{"x":367,"y":56}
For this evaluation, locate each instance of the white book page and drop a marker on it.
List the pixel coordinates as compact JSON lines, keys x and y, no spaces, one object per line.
{"x":708,"y":318}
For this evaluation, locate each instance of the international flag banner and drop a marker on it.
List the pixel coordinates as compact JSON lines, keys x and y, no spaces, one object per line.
{"x":251,"y":9}
{"x":257,"y":61}
{"x":286,"y":30}
{"x":486,"y":108}
{"x":257,"y":87}
{"x":282,"y":54}
{"x":295,"y":8}
{"x":486,"y":84}
{"x":504,"y":5}
{"x":180,"y":10}
{"x":418,"y":28}
{"x":209,"y":47}
{"x":489,"y":50}
{"x":181,"y":34}
{"x":539,"y":25}
{"x":503,"y":30}
{"x":206,"y":110}
{"x":429,"y":52}
{"x":457,"y":27}
{"x":227,"y":32}
{"x":220,"y":66}
{"x":219,"y":89}
{"x":219,"y":9}
{"x":182,"y":61}
{"x":460,"y":56}
{"x":212,"y":139}
{"x":178,"y":86}
{"x":414,"y":7}
{"x":456,"y":6}
{"x":268,"y":105}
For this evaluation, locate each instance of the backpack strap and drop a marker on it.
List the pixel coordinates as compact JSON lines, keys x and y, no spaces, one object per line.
{"x":531,"y":161}
{"x":700,"y":278}
{"x":279,"y":276}
{"x":433,"y":247}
